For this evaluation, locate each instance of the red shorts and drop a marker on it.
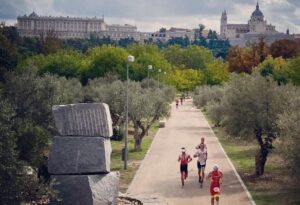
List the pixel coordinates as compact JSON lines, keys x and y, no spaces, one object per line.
{"x":215,"y":190}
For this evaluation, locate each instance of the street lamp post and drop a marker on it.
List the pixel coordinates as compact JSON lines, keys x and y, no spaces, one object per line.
{"x":159,"y":71}
{"x":130,"y":59}
{"x":149,"y":68}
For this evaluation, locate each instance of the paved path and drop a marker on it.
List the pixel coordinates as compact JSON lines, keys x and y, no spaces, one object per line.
{"x":159,"y":177}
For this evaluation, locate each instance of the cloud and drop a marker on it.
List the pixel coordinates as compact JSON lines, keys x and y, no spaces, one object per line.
{"x":10,"y":9}
{"x":151,"y":15}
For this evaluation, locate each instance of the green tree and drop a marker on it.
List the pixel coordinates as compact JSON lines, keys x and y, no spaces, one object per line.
{"x":146,"y":106}
{"x":197,"y":57}
{"x":174,"y":54}
{"x":10,"y":167}
{"x":8,"y":56}
{"x":293,"y":67}
{"x":290,"y":131}
{"x":185,"y":79}
{"x":32,"y":103}
{"x":275,"y":67}
{"x":109,"y":92}
{"x":147,"y":55}
{"x":205,"y":94}
{"x":181,"y":41}
{"x":216,"y":73}
{"x":106,"y":59}
{"x":250,"y":107}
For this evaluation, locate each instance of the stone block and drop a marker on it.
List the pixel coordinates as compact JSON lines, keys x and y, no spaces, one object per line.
{"x":86,"y":189}
{"x":79,"y":155}
{"x":83,"y":119}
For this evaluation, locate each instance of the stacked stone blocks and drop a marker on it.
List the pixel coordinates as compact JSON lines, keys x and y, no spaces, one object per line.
{"x":79,"y":158}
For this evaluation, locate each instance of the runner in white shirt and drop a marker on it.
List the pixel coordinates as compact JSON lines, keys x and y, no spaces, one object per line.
{"x":201,"y":163}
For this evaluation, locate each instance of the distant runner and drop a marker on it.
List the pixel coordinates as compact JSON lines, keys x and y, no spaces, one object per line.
{"x":177,"y":102}
{"x":184,"y":159}
{"x":201,"y":163}
{"x":202,"y":142}
{"x":215,"y":185}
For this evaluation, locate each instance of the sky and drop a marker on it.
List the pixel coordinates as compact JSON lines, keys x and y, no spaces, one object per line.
{"x":151,"y":15}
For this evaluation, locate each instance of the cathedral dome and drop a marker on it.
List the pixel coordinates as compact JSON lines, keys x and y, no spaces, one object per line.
{"x":257,"y":12}
{"x":33,"y":14}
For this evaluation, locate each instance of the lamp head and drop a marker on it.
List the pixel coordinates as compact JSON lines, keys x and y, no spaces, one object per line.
{"x":150,"y":67}
{"x":130,"y":59}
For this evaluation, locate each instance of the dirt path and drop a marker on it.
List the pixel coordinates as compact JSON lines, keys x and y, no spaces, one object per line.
{"x":159,"y":177}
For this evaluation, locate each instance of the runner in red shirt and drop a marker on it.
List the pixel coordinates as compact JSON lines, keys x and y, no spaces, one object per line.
{"x":184,"y":159}
{"x":215,"y":184}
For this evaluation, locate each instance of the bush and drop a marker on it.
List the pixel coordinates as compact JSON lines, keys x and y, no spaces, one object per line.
{"x":203,"y":95}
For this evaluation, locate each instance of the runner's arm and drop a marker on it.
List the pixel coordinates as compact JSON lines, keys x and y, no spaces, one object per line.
{"x":196,"y":155}
{"x":189,"y":159}
{"x":221,"y":177}
{"x":179,"y":158}
{"x":209,"y":175}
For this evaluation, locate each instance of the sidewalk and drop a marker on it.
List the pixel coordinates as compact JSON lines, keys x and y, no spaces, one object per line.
{"x":159,"y":177}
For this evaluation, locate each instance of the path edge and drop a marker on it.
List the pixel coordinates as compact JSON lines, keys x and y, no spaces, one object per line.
{"x":231,"y":164}
{"x":138,"y":172}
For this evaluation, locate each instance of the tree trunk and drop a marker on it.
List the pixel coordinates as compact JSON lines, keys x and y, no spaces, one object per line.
{"x":260,"y":161}
{"x":137,"y":144}
{"x":261,"y":157}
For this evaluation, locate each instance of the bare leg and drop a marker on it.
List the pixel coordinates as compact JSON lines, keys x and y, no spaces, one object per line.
{"x":182,"y":179}
{"x":202,"y":174}
{"x":212,"y":200}
{"x":217,"y":200}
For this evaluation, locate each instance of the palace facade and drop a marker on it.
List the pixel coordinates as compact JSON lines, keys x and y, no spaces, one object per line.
{"x":73,"y":27}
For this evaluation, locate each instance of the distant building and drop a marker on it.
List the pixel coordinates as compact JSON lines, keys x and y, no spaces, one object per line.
{"x":73,"y":27}
{"x":257,"y":27}
{"x":164,"y":35}
{"x":297,"y":38}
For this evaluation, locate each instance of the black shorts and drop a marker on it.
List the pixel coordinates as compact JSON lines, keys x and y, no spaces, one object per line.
{"x":184,"y":168}
{"x":200,"y":166}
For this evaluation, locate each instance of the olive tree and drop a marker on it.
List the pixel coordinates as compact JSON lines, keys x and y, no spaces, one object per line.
{"x":203,"y":95}
{"x":290,"y":130}
{"x":145,"y":107}
{"x":250,"y":108}
{"x":111,"y":93}
{"x":28,"y":133}
{"x":10,"y":181}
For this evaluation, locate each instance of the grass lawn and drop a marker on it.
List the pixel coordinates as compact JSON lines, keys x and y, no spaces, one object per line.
{"x":134,"y":158}
{"x":276,"y":186}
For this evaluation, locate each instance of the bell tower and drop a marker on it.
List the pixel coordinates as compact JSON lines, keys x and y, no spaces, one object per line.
{"x":223,"y":27}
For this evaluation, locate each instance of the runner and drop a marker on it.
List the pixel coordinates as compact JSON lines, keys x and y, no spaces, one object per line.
{"x":215,"y":185}
{"x":177,"y":101}
{"x":201,"y":163}
{"x":184,"y":159}
{"x":202,"y":142}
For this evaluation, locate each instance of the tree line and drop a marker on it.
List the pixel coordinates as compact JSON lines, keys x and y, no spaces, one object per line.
{"x":261,"y":107}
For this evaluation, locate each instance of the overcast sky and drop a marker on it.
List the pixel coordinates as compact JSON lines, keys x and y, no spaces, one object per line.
{"x":150,"y":15}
